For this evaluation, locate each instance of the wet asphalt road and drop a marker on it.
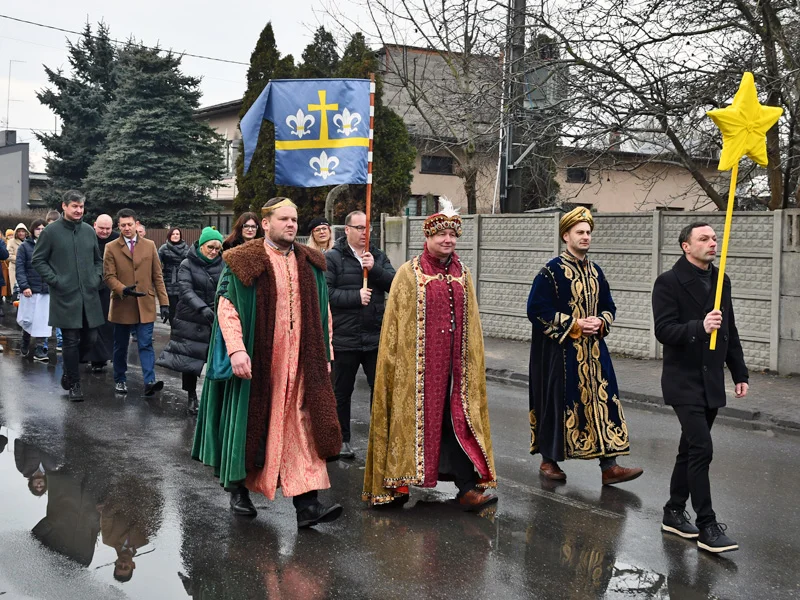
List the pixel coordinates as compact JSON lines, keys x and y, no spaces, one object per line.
{"x":119,"y":469}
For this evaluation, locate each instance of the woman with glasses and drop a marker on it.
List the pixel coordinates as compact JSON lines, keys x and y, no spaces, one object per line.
{"x":171,"y":255}
{"x":246,"y":228}
{"x":320,"y":236}
{"x":198,"y":276}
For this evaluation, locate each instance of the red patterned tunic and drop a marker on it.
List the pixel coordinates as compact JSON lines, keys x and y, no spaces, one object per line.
{"x":444,"y":323}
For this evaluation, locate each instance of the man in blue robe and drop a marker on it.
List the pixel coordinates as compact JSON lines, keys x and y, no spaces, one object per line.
{"x":575,"y":411}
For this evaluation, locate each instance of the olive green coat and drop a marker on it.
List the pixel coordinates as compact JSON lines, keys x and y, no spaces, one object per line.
{"x":68,"y":259}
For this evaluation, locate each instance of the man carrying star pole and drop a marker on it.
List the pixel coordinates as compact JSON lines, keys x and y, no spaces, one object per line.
{"x":272,"y":422}
{"x":430,"y":419}
{"x":575,"y":410}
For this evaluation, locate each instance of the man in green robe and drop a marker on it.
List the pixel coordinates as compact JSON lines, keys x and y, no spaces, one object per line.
{"x":267,"y":417}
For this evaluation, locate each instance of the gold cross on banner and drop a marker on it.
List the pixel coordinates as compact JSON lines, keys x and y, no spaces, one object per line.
{"x":323,"y":108}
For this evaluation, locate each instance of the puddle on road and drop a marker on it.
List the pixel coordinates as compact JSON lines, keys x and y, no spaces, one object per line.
{"x":92,"y":534}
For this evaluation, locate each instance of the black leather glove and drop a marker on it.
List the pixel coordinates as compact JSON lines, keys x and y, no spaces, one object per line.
{"x":131,"y":291}
{"x":164,"y":314}
{"x":208,"y":314}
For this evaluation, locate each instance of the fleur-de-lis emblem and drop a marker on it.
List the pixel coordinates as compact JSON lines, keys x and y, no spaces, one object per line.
{"x":326,"y":165}
{"x":347,"y":122}
{"x":299,"y":121}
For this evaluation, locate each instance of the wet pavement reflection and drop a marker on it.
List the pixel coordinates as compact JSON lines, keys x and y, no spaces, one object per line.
{"x":100,"y":500}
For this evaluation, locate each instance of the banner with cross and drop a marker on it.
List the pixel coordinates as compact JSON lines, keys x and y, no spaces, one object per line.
{"x":322,"y":130}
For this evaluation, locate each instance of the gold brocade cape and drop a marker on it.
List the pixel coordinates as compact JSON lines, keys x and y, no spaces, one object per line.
{"x":395,"y":456}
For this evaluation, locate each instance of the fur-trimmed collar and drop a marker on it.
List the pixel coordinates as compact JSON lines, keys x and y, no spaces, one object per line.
{"x":249,"y":260}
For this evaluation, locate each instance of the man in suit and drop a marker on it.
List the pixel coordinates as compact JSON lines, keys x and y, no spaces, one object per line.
{"x":693,"y":380}
{"x":101,"y":352}
{"x":132,"y":272}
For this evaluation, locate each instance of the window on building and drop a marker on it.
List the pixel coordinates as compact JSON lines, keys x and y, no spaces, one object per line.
{"x":437,"y":165}
{"x":577,"y":175}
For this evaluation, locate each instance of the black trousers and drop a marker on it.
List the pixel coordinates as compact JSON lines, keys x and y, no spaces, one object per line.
{"x":189,"y":382}
{"x":452,"y":458}
{"x":76,"y":342}
{"x":173,"y":305}
{"x":345,"y":369}
{"x":695,"y":451}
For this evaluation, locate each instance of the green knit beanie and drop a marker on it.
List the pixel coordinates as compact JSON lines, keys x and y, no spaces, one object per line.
{"x":209,"y":234}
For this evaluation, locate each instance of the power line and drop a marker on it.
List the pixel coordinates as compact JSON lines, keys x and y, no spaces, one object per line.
{"x":223,"y":60}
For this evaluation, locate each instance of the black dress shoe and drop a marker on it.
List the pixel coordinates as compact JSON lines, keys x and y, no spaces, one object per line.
{"x":152,"y":388}
{"x":346,"y":451}
{"x":241,"y":504}
{"x":65,"y":382}
{"x":318,"y":513}
{"x":76,"y":393}
{"x":192,"y":406}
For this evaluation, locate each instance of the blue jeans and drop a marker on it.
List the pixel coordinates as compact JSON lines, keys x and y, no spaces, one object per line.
{"x":144,"y":335}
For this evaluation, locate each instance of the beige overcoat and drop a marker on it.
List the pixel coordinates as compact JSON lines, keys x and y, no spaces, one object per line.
{"x":142,"y":269}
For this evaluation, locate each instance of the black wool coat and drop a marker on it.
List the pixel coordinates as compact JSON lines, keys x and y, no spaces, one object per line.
{"x":693,"y":373}
{"x":171,"y":257}
{"x":356,"y":327}
{"x":27,"y":276}
{"x":187,"y":349}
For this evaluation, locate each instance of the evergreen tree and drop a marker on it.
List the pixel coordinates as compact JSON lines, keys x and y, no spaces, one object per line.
{"x":393,"y":152}
{"x":320,"y":58}
{"x":157,"y":159}
{"x":80,"y":99}
{"x":266,"y":63}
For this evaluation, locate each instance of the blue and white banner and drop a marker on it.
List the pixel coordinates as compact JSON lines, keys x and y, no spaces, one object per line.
{"x":321,"y":130}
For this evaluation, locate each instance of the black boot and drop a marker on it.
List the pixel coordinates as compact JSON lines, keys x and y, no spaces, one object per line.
{"x":318,"y":513}
{"x":76,"y":393}
{"x":25,"y":346}
{"x":192,"y":403}
{"x":241,"y":504}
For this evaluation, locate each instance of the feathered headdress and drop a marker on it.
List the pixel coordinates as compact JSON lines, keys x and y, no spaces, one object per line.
{"x":446,"y":218}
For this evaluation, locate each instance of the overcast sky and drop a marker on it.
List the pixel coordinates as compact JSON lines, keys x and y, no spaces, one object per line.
{"x":223,"y":29}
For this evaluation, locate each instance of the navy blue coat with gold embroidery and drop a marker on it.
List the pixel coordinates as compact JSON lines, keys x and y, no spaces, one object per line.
{"x":575,"y":410}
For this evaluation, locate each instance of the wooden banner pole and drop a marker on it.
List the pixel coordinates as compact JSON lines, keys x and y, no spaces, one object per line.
{"x":368,"y":209}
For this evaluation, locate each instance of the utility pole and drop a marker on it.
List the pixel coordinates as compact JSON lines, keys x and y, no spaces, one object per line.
{"x":8,"y":92}
{"x":511,"y":175}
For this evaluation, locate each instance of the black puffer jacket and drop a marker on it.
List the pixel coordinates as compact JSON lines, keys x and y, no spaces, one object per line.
{"x":171,"y":256}
{"x":27,"y":276}
{"x":356,"y":327}
{"x":187,"y":349}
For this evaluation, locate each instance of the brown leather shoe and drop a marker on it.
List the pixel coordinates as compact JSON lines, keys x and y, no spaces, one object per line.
{"x":552,"y":471}
{"x":617,"y":474}
{"x":475,"y":500}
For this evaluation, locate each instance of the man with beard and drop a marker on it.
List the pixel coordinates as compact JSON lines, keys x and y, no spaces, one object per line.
{"x":575,"y":410}
{"x":99,"y":354}
{"x":271,"y":422}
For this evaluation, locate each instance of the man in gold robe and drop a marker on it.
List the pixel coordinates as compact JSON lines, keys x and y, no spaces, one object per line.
{"x":430,"y":419}
{"x":267,"y":415}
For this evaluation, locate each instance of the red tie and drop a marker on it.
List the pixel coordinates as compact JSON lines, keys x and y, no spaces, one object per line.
{"x":131,"y":244}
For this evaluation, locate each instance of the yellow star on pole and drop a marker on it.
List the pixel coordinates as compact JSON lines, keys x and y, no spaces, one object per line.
{"x":744,"y":125}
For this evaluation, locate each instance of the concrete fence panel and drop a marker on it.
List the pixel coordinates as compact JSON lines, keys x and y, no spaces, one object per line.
{"x":505,"y":252}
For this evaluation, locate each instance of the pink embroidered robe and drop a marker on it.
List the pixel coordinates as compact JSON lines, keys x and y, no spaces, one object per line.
{"x":292,"y":462}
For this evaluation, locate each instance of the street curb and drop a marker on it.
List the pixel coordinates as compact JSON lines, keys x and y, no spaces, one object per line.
{"x":751,"y":419}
